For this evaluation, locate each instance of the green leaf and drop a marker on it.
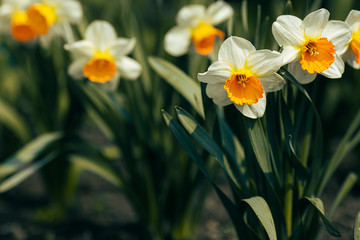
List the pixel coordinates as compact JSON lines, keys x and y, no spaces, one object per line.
{"x":260,"y":146}
{"x":357,"y":227}
{"x":23,"y":174}
{"x":319,"y":207}
{"x":186,"y":86}
{"x":11,"y":119}
{"x":99,"y":166}
{"x":262,"y":211}
{"x":348,"y":184}
{"x":29,"y":152}
{"x":200,"y":135}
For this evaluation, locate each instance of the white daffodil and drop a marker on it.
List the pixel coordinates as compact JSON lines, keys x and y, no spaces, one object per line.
{"x":313,"y":45}
{"x":51,"y":18}
{"x":242,"y":76}
{"x":101,"y":56}
{"x":195,"y":24}
{"x":14,"y":20}
{"x":352,"y":54}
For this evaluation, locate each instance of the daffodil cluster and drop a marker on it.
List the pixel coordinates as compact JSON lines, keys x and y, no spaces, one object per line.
{"x":242,"y":76}
{"x":27,"y":20}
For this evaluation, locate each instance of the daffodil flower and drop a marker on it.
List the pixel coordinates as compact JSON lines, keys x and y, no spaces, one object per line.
{"x":101,"y":56}
{"x":352,"y":54}
{"x":242,"y":76}
{"x":14,"y":20}
{"x":51,"y":18}
{"x":313,"y":45}
{"x":195,"y":24}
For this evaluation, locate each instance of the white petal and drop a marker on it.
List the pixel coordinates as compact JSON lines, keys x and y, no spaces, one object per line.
{"x":76,"y":68}
{"x":190,"y":15}
{"x":315,"y":22}
{"x":100,"y":33}
{"x":81,"y":48}
{"x":219,"y":12}
{"x":121,"y":47}
{"x":6,"y":10}
{"x":263,"y":63}
{"x":129,"y":68}
{"x":287,"y":32}
{"x":218,"y":94}
{"x":272,"y":83}
{"x":255,"y":110}
{"x":353,"y":20}
{"x":236,"y":50}
{"x":339,"y":34}
{"x":70,"y":11}
{"x":290,"y":54}
{"x":218,"y":72}
{"x":300,"y":74}
{"x":349,"y":57}
{"x":336,"y":69}
{"x":177,"y":41}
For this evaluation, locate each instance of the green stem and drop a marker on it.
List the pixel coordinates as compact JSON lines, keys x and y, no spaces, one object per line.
{"x":289,"y":182}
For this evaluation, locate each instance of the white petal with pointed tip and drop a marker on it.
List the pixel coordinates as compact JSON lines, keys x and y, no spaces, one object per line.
{"x":272,"y":83}
{"x":349,"y":57}
{"x":69,"y":11}
{"x":218,"y":72}
{"x":287,"y":32}
{"x":290,"y":54}
{"x":353,"y":20}
{"x":339,"y":34}
{"x":76,"y":68}
{"x":190,"y":15}
{"x":315,"y":22}
{"x":263,"y":63}
{"x":121,"y":47}
{"x":100,"y":33}
{"x":301,"y":75}
{"x":236,"y":50}
{"x":129,"y":68}
{"x":219,"y":12}
{"x":255,"y":110}
{"x":218,"y":94}
{"x":177,"y":41}
{"x":336,"y":69}
{"x":82,"y":48}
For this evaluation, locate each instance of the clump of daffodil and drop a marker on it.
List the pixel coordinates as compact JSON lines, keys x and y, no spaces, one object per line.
{"x":195,"y":24}
{"x":352,"y":54}
{"x":242,"y":76}
{"x":51,"y":18}
{"x":14,"y":20}
{"x":313,"y":45}
{"x":101,"y":56}
{"x":27,"y":20}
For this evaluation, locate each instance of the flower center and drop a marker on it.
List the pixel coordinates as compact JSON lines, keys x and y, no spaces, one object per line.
{"x":42,"y":17}
{"x":20,"y":27}
{"x":355,"y":45}
{"x":243,"y":89}
{"x":317,"y":55}
{"x":204,"y":36}
{"x":101,"y":68}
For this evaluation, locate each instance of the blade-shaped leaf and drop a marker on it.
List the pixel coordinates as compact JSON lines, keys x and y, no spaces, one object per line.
{"x":99,"y":166}
{"x":186,"y":86}
{"x":29,"y":152}
{"x":319,"y":206}
{"x":23,"y":174}
{"x":357,"y":227}
{"x":262,"y":211}
{"x":11,"y":119}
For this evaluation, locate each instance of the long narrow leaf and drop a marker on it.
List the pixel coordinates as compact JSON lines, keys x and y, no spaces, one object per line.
{"x":319,"y":206}
{"x":23,"y":174}
{"x":186,"y":86}
{"x":357,"y":227}
{"x":262,"y":211}
{"x":29,"y":152}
